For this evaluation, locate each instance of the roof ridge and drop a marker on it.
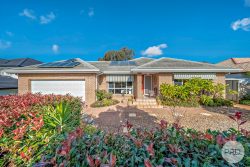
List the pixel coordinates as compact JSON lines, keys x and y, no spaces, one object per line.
{"x":240,"y":58}
{"x":98,"y":61}
{"x":24,"y":60}
{"x":155,"y":60}
{"x":82,"y":61}
{"x":141,"y":58}
{"x":195,"y":62}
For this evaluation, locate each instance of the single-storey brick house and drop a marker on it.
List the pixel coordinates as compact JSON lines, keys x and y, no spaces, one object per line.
{"x":238,"y":81}
{"x":139,"y":77}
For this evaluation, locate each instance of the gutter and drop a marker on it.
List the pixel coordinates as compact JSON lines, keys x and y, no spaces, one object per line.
{"x":186,"y":70}
{"x":116,"y":72}
{"x":51,"y":71}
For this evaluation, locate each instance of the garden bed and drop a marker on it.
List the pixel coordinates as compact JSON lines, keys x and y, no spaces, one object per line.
{"x":29,"y":122}
{"x":104,"y":103}
{"x":104,"y":99}
{"x":168,"y":145}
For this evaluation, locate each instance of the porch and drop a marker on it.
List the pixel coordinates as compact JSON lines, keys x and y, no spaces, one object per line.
{"x":147,"y":86}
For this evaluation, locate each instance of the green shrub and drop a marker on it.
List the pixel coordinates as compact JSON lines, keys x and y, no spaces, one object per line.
{"x":104,"y":99}
{"x":222,"y":102}
{"x":206,"y":100}
{"x":166,"y":146}
{"x":31,"y":122}
{"x":90,"y":130}
{"x":246,"y":102}
{"x":218,"y":102}
{"x":60,"y":118}
{"x":194,"y":92}
{"x":245,"y":99}
{"x":103,"y":94}
{"x":104,"y":103}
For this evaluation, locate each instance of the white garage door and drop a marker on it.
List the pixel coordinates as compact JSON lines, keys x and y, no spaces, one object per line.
{"x":59,"y":87}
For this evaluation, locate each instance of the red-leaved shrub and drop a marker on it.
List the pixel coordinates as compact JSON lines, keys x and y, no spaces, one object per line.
{"x":20,"y":112}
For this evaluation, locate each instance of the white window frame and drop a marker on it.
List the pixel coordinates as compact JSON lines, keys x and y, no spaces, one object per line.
{"x":126,"y":88}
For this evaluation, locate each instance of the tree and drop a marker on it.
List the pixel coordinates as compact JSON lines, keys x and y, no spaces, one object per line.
{"x":120,"y":55}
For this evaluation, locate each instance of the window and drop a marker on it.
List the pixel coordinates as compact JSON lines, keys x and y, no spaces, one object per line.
{"x":178,"y":82}
{"x":182,"y":81}
{"x":120,"y":87}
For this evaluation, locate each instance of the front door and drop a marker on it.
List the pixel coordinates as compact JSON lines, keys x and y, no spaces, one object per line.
{"x":147,"y":84}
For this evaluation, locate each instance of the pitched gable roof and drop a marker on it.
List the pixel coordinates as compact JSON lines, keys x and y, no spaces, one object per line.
{"x":241,"y":60}
{"x":178,"y":65}
{"x":83,"y":66}
{"x":136,"y":65}
{"x":242,"y":63}
{"x":142,"y":60}
{"x":108,"y":67}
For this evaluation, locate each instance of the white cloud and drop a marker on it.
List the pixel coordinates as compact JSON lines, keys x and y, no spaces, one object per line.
{"x":91,"y":12}
{"x":28,"y":13}
{"x":247,"y":3}
{"x":10,"y":34}
{"x":154,"y":50}
{"x":5,"y":44}
{"x":55,"y":48}
{"x":243,"y":24}
{"x":47,"y":18}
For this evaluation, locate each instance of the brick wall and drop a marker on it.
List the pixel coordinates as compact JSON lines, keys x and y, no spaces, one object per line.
{"x":102,"y":82}
{"x":138,"y":86}
{"x":24,"y":82}
{"x":164,"y":78}
{"x":220,"y":78}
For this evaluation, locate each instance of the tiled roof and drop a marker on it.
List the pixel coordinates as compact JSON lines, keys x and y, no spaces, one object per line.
{"x":241,"y":60}
{"x":135,"y":65}
{"x":170,"y":63}
{"x":7,"y":82}
{"x":106,"y":67}
{"x":242,"y":63}
{"x":142,"y":60}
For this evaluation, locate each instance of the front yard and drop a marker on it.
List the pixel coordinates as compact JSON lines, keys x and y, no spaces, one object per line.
{"x":214,"y":118}
{"x":37,"y":130}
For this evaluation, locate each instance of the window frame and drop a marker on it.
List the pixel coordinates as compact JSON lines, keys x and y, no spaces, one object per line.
{"x":126,"y":89}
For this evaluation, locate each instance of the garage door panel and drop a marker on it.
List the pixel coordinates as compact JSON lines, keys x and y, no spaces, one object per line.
{"x":59,"y":87}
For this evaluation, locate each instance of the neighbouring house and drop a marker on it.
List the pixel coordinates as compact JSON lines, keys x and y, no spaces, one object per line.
{"x":8,"y":81}
{"x":139,"y":77}
{"x":238,"y":81}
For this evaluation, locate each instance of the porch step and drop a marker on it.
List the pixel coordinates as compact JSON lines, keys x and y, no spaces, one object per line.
{"x":148,"y":106}
{"x":146,"y":103}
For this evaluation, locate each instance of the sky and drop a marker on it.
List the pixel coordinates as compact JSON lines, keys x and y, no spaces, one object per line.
{"x":199,"y":30}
